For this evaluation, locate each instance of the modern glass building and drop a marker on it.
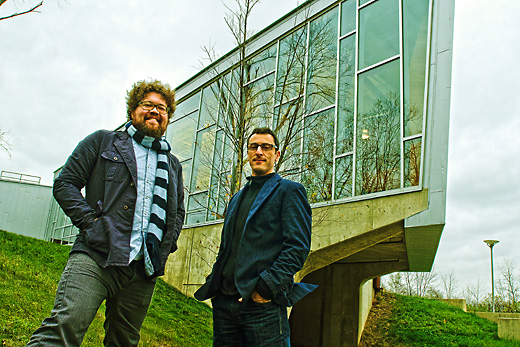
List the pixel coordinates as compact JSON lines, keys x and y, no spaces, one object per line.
{"x":343,"y":84}
{"x":358,"y":92}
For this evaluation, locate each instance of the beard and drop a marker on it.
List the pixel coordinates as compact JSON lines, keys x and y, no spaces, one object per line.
{"x":147,"y":130}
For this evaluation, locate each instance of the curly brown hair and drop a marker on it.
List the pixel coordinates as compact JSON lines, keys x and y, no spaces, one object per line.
{"x":141,"y":88}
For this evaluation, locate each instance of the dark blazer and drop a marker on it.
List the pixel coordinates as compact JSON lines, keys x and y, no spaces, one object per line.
{"x":104,"y":163}
{"x":274,"y":244}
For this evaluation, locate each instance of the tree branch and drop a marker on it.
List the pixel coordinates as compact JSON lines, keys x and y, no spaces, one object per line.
{"x":19,"y":14}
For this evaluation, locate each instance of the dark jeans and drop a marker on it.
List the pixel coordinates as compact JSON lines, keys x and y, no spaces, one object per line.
{"x":82,"y":288}
{"x":249,"y":324}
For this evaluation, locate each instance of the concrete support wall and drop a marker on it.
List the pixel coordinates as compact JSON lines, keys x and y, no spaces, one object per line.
{"x":509,"y":328}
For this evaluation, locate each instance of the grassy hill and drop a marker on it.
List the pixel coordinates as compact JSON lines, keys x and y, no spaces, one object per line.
{"x":399,"y":321}
{"x":29,"y":272}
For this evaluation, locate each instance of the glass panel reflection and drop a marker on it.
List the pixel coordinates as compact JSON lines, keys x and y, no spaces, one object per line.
{"x":415,"y":25}
{"x":318,"y":143}
{"x":412,"y":162}
{"x":348,"y":16}
{"x":291,"y":66}
{"x":378,"y":32}
{"x":347,"y":75}
{"x":203,"y":161}
{"x":322,"y":61}
{"x":344,"y":169}
{"x":181,"y":136}
{"x":209,"y":107}
{"x":287,"y":125}
{"x":187,"y":106}
{"x":197,"y":201}
{"x":378,"y":144}
{"x":259,"y":101}
{"x":261,"y":64}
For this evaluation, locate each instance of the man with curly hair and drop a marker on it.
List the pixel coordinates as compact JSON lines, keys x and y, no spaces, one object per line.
{"x":129,"y":222}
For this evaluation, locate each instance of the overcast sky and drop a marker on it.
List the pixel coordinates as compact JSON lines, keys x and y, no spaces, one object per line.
{"x":64,"y":73}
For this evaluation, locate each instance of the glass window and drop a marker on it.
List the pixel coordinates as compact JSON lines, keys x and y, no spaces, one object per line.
{"x":259,"y":101}
{"x":181,"y":136}
{"x":415,"y":28}
{"x":318,"y":143}
{"x":196,"y":217}
{"x":291,"y":66}
{"x":344,"y":169}
{"x":186,"y":172}
{"x":203,"y":161}
{"x":263,"y":63}
{"x":219,"y":177}
{"x":287,"y":124}
{"x":412,"y":162}
{"x":198,"y":201}
{"x":348,"y":16}
{"x":210,"y":106}
{"x":378,"y":138}
{"x":378,"y":32}
{"x":187,"y":106}
{"x":322,"y":61}
{"x":347,"y":75}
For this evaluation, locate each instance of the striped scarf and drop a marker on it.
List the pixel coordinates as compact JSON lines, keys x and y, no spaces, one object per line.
{"x":157,"y":224}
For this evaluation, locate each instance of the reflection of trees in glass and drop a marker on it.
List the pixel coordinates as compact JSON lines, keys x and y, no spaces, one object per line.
{"x":321,"y":65}
{"x":318,"y":146}
{"x":313,"y":70}
{"x":412,"y":162}
{"x":345,"y":130}
{"x":415,"y":29}
{"x":378,"y":147}
{"x":343,"y":184}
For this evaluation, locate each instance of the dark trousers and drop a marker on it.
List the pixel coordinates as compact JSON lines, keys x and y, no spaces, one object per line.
{"x":82,"y":289}
{"x":248,"y":323}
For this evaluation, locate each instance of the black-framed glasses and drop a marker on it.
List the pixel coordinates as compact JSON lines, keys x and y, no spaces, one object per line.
{"x":148,"y":106}
{"x":266,"y":147}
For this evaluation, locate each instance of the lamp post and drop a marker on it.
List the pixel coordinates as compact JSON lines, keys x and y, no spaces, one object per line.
{"x":491,"y":243}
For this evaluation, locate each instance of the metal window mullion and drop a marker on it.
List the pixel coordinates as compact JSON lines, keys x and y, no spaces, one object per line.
{"x":383,"y":62}
{"x":338,"y":52}
{"x":275,"y":84}
{"x":356,"y":77}
{"x":426,"y":90}
{"x":401,"y":89}
{"x":304,"y":98}
{"x":258,"y":78}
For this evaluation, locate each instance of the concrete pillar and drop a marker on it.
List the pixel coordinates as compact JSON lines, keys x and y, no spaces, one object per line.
{"x":330,"y":316}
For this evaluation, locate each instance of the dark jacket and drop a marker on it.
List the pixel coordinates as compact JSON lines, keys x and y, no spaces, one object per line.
{"x":274,"y":245}
{"x":104,"y":163}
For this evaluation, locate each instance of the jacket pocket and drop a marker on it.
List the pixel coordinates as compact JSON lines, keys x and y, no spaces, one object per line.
{"x":96,"y":236}
{"x":115,"y":166}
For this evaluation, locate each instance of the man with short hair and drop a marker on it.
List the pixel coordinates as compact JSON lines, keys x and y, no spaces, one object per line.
{"x":265,"y":240}
{"x":129,"y":221}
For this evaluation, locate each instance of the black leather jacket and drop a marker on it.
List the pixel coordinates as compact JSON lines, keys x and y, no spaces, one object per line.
{"x":104,"y":163}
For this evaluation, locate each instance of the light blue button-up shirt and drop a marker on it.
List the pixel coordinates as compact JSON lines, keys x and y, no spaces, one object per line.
{"x":146,"y":159}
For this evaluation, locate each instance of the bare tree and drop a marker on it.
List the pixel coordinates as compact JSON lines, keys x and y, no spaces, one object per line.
{"x":474,"y":294}
{"x":284,"y":88}
{"x":449,"y":284}
{"x":509,"y":285}
{"x":413,"y":283}
{"x":4,"y":143}
{"x":31,"y":10}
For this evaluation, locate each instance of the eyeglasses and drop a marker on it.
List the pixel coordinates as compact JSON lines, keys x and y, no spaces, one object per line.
{"x":266,"y":147}
{"x":148,"y":106}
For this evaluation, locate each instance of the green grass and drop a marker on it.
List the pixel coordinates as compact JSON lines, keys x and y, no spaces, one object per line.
{"x":398,"y":321}
{"x":29,"y":272}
